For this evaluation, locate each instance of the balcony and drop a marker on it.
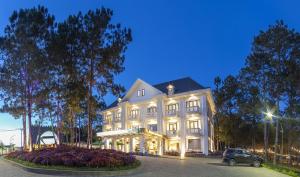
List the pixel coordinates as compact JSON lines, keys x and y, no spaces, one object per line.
{"x":106,"y":121}
{"x":193,"y":131}
{"x":193,"y":110}
{"x":172,"y":133}
{"x":117,"y":119}
{"x":134,"y":116}
{"x":172,"y":112}
{"x":151,"y":114}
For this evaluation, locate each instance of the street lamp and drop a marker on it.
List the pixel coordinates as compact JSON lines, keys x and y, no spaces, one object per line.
{"x":269,"y":114}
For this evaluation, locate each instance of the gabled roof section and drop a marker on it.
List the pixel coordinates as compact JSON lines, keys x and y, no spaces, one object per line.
{"x":181,"y":85}
{"x":185,"y":84}
{"x":135,"y":85}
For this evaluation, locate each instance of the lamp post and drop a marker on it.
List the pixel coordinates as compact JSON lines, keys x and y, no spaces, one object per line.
{"x":276,"y":143}
{"x":281,"y":150}
{"x":271,"y":116}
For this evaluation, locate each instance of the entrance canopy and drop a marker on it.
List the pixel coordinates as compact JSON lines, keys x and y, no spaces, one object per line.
{"x":129,"y":132}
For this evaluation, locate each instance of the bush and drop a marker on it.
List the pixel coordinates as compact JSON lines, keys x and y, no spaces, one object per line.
{"x":172,"y":153}
{"x":76,"y":157}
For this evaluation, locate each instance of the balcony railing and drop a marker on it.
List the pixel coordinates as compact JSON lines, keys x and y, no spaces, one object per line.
{"x":172,"y":133}
{"x":107,"y":121}
{"x":117,"y":119}
{"x":193,"y":131}
{"x":151,"y":114}
{"x":134,"y":116}
{"x":172,"y":112}
{"x":193,"y":109}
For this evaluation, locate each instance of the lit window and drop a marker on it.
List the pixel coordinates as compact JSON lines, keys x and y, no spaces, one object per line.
{"x":173,"y":126}
{"x":143,"y":92}
{"x":138,"y":93}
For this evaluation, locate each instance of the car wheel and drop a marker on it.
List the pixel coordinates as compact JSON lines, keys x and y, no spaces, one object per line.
{"x":256,"y":163}
{"x":231,"y":162}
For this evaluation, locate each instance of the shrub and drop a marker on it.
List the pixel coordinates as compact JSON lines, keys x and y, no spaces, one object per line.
{"x":76,"y":157}
{"x":172,"y":153}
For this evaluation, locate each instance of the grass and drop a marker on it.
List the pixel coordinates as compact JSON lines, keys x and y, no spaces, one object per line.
{"x":283,"y":169}
{"x":65,"y":168}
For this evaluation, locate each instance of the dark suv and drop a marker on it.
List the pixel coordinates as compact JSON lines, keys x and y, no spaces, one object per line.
{"x":234,"y":156}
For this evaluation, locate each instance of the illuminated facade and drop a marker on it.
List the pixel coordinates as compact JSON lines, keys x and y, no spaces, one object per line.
{"x":174,"y":116}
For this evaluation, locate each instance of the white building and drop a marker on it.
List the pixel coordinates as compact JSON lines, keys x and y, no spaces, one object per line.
{"x":155,"y":119}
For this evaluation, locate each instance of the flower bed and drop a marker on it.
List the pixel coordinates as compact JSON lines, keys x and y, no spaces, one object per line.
{"x":76,"y":157}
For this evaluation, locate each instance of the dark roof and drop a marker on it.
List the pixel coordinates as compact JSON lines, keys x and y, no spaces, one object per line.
{"x":114,"y":104}
{"x":181,"y":85}
{"x":185,"y":84}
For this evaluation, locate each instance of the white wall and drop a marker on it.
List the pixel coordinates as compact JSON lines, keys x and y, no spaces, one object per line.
{"x":150,"y":92}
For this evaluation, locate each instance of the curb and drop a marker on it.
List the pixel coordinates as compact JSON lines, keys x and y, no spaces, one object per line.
{"x":70,"y":172}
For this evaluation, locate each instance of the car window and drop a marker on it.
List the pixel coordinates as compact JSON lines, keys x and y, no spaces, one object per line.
{"x":229,"y":151}
{"x":239,"y":152}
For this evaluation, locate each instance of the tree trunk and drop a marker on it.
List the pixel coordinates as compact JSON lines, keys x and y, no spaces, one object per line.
{"x":276,"y":136}
{"x":276,"y":144}
{"x":79,"y":126}
{"x":29,"y":107}
{"x":72,"y":128}
{"x":90,"y":94}
{"x":24,"y":132}
{"x":266,"y":141}
{"x":59,"y":126}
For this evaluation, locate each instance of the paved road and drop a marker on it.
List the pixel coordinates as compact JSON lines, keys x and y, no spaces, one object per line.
{"x":165,"y":167}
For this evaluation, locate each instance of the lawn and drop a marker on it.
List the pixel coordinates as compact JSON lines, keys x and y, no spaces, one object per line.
{"x":283,"y":169}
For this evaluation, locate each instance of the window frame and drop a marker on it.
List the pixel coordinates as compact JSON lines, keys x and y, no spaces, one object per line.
{"x":193,"y":103}
{"x":139,"y":93}
{"x":152,"y":109}
{"x":174,"y":106}
{"x":194,"y":122}
{"x":143,"y":92}
{"x":174,"y":125}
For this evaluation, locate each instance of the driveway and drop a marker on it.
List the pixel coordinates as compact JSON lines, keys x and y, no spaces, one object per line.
{"x":166,"y":167}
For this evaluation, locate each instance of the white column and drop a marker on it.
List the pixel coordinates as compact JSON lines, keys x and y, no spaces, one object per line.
{"x":142,"y":117}
{"x":131,"y":144}
{"x":124,"y":115}
{"x":106,"y":143}
{"x":182,"y":128}
{"x":160,"y":114}
{"x":125,"y":145}
{"x":159,"y":146}
{"x":204,"y":138}
{"x":142,"y":144}
{"x":114,"y":144}
{"x":113,"y":121}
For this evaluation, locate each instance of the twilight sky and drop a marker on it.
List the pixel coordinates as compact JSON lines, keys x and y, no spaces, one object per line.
{"x":174,"y":39}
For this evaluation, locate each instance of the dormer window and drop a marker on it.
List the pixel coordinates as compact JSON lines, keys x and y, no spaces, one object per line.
{"x":170,"y":88}
{"x":141,"y":92}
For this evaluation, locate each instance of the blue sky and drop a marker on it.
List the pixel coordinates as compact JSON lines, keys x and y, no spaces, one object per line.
{"x":174,"y":39}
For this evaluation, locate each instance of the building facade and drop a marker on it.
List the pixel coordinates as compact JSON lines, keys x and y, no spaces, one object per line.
{"x":174,"y":116}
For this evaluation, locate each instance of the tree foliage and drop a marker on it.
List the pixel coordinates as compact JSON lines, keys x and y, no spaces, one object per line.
{"x":60,"y":71}
{"x":268,"y":81}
